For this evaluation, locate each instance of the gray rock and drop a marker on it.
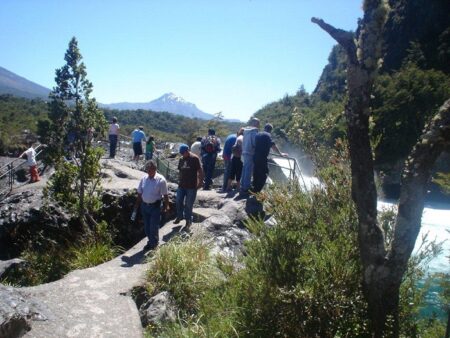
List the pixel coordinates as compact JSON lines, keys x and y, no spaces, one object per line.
{"x":227,"y":238}
{"x":234,"y":209}
{"x":5,"y":266}
{"x":158,"y":309}
{"x":16,"y":312}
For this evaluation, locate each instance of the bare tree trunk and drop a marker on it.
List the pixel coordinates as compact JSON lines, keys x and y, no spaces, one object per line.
{"x":383,"y":269}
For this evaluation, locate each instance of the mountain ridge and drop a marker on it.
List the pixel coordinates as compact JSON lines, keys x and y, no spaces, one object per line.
{"x":13,"y":84}
{"x":168,"y":102}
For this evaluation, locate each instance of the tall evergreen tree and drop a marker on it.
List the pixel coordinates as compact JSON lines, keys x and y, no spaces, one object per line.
{"x":74,"y":119}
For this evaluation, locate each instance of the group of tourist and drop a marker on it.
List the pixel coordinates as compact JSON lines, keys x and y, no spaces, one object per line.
{"x":245,"y":155}
{"x":137,"y":136}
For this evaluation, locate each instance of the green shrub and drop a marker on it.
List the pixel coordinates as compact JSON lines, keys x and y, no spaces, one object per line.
{"x":45,"y":263}
{"x":91,"y":253}
{"x":186,"y":270}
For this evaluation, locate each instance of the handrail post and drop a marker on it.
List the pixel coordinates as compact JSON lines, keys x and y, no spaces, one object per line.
{"x":11,"y":175}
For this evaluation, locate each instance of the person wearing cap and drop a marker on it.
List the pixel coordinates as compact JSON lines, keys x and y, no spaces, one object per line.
{"x":138,"y":136}
{"x":151,"y":190}
{"x":263,"y":144}
{"x":248,"y":150}
{"x":210,"y":148}
{"x":190,"y":179}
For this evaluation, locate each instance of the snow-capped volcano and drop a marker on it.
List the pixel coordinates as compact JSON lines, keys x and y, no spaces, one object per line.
{"x":168,"y":102}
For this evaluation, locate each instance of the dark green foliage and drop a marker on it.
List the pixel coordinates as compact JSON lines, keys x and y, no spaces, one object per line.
{"x":280,"y":113}
{"x":424,"y":22}
{"x":332,"y":82}
{"x":18,"y":120}
{"x":74,"y":112}
{"x":404,"y":102}
{"x":166,"y":126}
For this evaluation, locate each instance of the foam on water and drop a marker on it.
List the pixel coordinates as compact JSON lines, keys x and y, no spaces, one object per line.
{"x":435,"y":223}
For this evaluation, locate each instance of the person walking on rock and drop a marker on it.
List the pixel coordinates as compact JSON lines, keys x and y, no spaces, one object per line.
{"x":138,"y":136}
{"x":226,"y":155}
{"x":152,"y":190}
{"x":31,"y":161}
{"x":210,"y":148}
{"x":190,"y":179}
{"x":113,"y":137}
{"x":248,"y":150}
{"x":263,"y":144}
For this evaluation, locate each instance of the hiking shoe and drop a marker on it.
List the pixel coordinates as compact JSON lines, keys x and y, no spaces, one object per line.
{"x":149,"y":247}
{"x":177,"y":220}
{"x":188,"y":224}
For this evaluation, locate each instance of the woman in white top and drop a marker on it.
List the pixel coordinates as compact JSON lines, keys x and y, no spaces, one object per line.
{"x":113,"y":137}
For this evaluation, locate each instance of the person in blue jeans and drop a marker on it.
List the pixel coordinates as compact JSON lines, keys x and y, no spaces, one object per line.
{"x":210,"y":148}
{"x":248,"y":150}
{"x":190,"y":179}
{"x":152,"y":189}
{"x":226,"y":155}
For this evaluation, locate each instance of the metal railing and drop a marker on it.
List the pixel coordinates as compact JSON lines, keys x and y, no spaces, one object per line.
{"x":8,"y":171}
{"x":289,"y":172}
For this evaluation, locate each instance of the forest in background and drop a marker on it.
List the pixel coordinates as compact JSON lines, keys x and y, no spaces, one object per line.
{"x":23,"y":119}
{"x":413,"y":83}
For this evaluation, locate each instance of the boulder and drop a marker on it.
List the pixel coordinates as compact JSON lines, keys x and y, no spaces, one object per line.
{"x":226,"y":237}
{"x":5,"y":266}
{"x":22,"y":217}
{"x":158,"y":309}
{"x":16,"y":312}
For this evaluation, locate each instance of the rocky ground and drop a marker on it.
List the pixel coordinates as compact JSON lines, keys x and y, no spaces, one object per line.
{"x":97,"y":302}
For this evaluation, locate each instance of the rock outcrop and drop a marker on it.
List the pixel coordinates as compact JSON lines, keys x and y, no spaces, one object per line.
{"x":97,"y":302}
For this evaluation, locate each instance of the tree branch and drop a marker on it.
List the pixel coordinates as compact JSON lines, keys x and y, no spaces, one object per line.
{"x":344,"y":38}
{"x":415,"y":179}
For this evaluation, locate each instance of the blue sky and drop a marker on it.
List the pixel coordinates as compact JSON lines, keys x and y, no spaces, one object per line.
{"x":232,"y":56}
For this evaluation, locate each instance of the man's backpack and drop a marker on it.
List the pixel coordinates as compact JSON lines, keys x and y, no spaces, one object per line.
{"x":210,"y":144}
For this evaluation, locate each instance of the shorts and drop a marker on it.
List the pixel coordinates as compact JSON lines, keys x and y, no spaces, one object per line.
{"x":137,"y":148}
{"x":236,"y":169}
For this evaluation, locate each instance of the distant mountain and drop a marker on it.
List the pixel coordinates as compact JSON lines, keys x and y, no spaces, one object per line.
{"x":16,"y":85}
{"x":167,"y":103}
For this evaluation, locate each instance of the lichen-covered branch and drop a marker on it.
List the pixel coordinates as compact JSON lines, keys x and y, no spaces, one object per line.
{"x":344,"y":38}
{"x":415,"y":179}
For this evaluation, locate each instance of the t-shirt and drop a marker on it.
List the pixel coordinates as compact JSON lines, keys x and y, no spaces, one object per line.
{"x":263,"y":143}
{"x":188,"y":168}
{"x":229,"y":143}
{"x":149,"y":147}
{"x":138,"y":135}
{"x":114,"y":129}
{"x":31,"y":156}
{"x":152,"y":189}
{"x":196,"y":148}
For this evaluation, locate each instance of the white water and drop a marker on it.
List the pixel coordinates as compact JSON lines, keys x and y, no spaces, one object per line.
{"x":435,"y":223}
{"x":435,"y":220}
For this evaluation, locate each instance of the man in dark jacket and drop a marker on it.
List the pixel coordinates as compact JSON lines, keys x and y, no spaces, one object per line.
{"x":263,"y":144}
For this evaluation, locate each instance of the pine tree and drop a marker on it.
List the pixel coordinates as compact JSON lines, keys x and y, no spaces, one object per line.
{"x":74,"y":119}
